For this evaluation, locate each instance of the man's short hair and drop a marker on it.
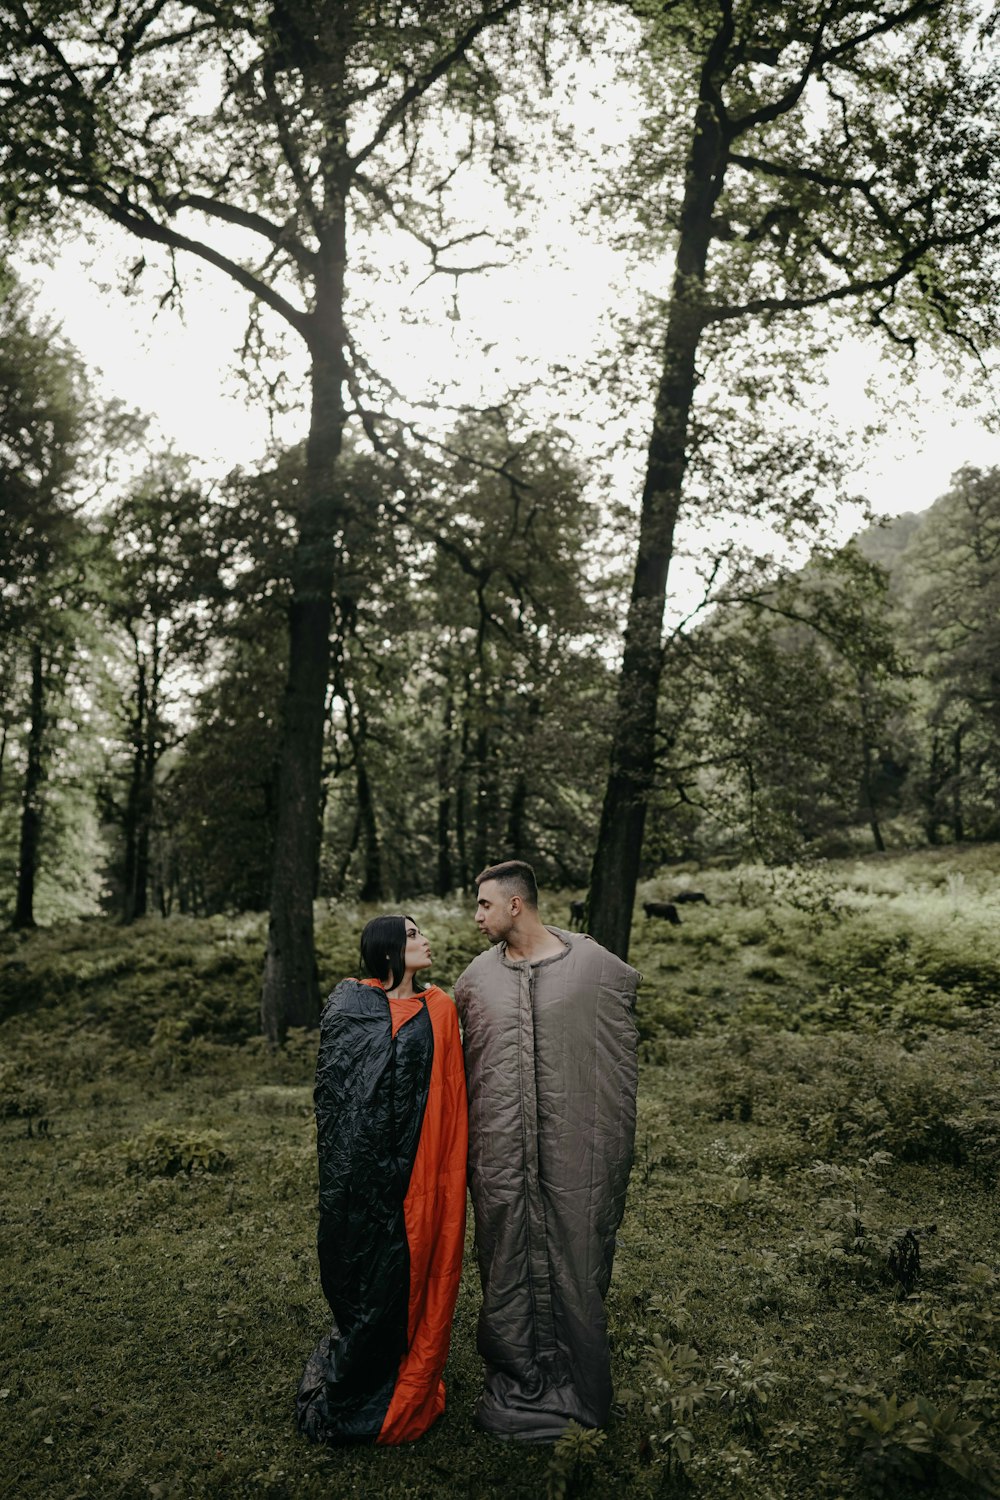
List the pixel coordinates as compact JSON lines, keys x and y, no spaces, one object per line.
{"x":516,"y":878}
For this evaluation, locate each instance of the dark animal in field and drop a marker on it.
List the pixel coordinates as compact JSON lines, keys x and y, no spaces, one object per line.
{"x":904,"y":1260}
{"x":577,"y":915}
{"x":682,"y":896}
{"x":665,"y":909}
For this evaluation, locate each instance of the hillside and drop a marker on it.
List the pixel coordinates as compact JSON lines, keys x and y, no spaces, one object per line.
{"x":806,"y":1283}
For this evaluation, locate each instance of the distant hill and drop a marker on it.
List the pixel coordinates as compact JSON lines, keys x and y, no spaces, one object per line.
{"x":886,"y":543}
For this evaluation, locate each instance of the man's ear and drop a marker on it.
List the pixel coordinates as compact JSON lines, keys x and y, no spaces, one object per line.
{"x":516,"y":906}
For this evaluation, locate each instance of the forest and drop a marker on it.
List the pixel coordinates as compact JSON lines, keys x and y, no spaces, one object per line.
{"x":618,"y":609}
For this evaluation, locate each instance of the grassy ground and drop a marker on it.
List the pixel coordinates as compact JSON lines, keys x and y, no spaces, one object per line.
{"x":819,"y":1076}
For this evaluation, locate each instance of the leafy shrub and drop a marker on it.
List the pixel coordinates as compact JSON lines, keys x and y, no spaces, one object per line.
{"x":764,"y":973}
{"x":23,"y":1097}
{"x":164,"y":1150}
{"x":913,"y":1440}
{"x":673,"y":1020}
{"x":674,"y":1389}
{"x":975,"y":979}
{"x":842,"y":1239}
{"x":227,"y":1015}
{"x":573,"y":1453}
{"x":954,"y":1331}
{"x":742,"y":1389}
{"x":293,"y":1062}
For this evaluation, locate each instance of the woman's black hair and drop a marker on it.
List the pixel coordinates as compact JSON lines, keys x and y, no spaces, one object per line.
{"x":383,"y":942}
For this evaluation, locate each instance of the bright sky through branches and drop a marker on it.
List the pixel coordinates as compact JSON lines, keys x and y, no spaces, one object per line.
{"x":469,"y":339}
{"x":182,"y":371}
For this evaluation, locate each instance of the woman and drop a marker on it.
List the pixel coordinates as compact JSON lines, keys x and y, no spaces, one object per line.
{"x":393,"y":1135}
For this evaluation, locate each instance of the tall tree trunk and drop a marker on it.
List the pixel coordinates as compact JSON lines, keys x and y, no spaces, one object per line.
{"x":482,"y":854}
{"x":366,"y":823}
{"x":517,"y":837}
{"x":462,"y":799}
{"x":147,"y":796}
{"x":371,"y":883}
{"x":290,"y":986}
{"x":445,"y":875}
{"x":957,"y":816}
{"x":132,"y":903}
{"x":633,"y":749}
{"x":347,"y":856}
{"x":31,"y":809}
{"x":867,"y":786}
{"x":515,"y":840}
{"x":930,"y":799}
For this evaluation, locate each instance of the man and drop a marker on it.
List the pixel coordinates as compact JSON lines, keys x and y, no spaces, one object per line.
{"x":550,"y":1060}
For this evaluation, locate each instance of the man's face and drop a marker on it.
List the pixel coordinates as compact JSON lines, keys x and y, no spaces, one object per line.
{"x":494,"y":913}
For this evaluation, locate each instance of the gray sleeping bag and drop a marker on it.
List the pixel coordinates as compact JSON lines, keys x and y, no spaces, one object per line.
{"x":550,"y":1060}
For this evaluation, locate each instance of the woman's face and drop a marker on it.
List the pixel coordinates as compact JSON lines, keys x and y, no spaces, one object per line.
{"x":417,"y":950}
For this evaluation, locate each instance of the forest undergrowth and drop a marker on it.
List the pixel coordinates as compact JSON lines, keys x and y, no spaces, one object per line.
{"x":806,"y":1286}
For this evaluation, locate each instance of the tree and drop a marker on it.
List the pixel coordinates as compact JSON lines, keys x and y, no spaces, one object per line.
{"x":464,"y":663}
{"x":42,"y":416}
{"x":514,"y":611}
{"x":216,"y":796}
{"x":806,"y":699}
{"x":211,"y":130}
{"x":951,"y":595}
{"x":836,"y":156}
{"x":161,"y":579}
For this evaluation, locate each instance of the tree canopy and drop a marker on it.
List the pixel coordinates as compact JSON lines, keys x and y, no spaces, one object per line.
{"x":404,"y":646}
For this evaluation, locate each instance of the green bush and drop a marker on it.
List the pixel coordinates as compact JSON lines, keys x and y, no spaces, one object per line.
{"x":163,"y":1150}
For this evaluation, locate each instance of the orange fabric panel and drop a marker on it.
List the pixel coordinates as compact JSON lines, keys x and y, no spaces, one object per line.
{"x":434,"y":1213}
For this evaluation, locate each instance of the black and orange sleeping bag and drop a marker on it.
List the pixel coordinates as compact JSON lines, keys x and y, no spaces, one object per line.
{"x":392,"y":1138}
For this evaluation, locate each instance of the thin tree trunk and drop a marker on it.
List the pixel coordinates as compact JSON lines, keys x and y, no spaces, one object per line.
{"x":866,"y":777}
{"x":366,"y":824}
{"x":371,"y":885}
{"x":31,"y":810}
{"x":515,"y":840}
{"x":133,"y":804}
{"x":934,"y":778}
{"x":445,"y":875}
{"x":462,"y":801}
{"x":140,"y":907}
{"x":347,"y":856}
{"x":957,"y":817}
{"x":147,"y":788}
{"x":482,"y":854}
{"x":633,"y":750}
{"x":517,"y":837}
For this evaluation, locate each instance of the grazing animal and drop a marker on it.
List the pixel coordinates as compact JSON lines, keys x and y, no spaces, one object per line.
{"x":665,"y":909}
{"x":904,"y":1260}
{"x":577,"y":915}
{"x":690,"y":896}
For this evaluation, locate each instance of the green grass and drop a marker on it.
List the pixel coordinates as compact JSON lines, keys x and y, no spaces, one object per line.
{"x":819,"y":1075}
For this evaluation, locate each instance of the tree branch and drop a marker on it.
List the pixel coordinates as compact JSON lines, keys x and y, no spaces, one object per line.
{"x":420,"y":86}
{"x":230,"y":213}
{"x":139,"y":223}
{"x":854,"y":288}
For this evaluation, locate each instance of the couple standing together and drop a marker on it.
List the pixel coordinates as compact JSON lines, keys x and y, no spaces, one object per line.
{"x":541,"y":1117}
